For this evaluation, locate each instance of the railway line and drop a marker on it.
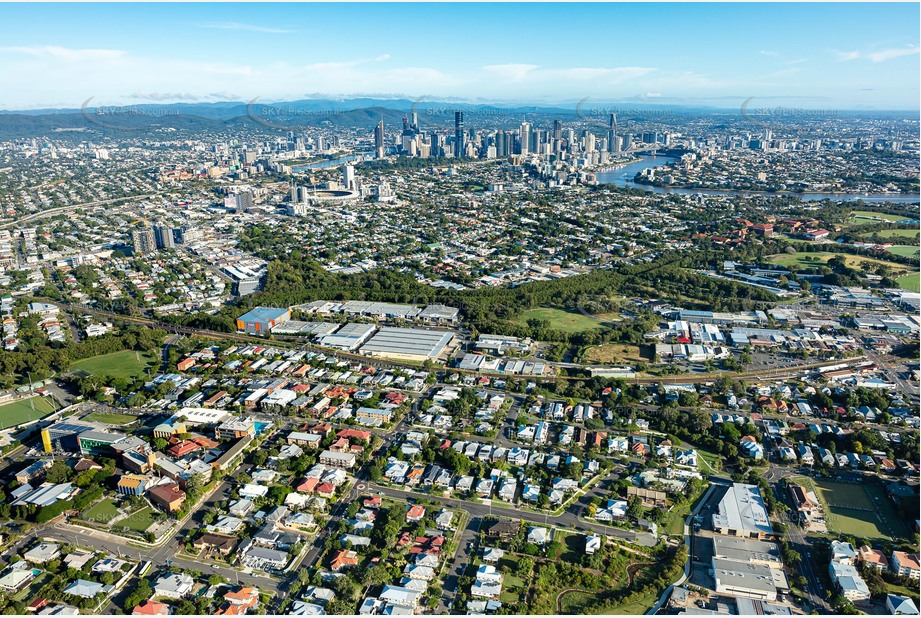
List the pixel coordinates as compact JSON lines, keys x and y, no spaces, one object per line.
{"x":292,"y":342}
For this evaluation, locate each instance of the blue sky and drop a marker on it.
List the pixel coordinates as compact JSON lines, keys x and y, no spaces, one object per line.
{"x":820,"y":56}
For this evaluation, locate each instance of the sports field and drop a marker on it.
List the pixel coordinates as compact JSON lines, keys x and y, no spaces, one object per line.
{"x":904,"y":250}
{"x":900,"y":234}
{"x":559,"y":319}
{"x":102,"y":512}
{"x":815,"y":259}
{"x":24,"y":410}
{"x":138,"y":521}
{"x":864,"y":216}
{"x":124,"y":364}
{"x":859,"y":509}
{"x":111,"y":418}
{"x":910,"y":282}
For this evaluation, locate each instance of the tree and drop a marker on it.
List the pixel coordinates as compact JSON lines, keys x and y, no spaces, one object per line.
{"x":59,"y":472}
{"x":140,"y":593}
{"x":524,"y":567}
{"x":635,"y":509}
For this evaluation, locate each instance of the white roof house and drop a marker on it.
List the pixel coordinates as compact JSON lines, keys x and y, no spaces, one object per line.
{"x":174,"y":585}
{"x":538,"y":536}
{"x":84,"y":588}
{"x":42,"y":553}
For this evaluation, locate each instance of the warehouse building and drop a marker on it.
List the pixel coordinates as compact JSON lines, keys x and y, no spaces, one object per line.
{"x":440,"y":314}
{"x":262,"y":319}
{"x":741,"y":512}
{"x":387,"y":311}
{"x":297,"y":327}
{"x":747,"y":550}
{"x":745,"y":579}
{"x":349,"y":337}
{"x":408,"y":343}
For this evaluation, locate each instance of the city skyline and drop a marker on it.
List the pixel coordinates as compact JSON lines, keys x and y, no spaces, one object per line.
{"x":842,"y":56}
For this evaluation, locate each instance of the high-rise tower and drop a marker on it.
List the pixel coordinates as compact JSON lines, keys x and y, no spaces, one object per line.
{"x":459,"y":149}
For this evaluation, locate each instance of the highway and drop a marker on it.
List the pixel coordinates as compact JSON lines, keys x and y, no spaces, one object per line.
{"x":19,"y":221}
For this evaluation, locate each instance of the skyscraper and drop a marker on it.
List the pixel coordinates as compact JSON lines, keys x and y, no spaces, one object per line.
{"x":163,"y":236}
{"x":379,"y":139}
{"x":524,"y":134}
{"x":143,"y":241}
{"x":348,"y":177}
{"x":501,"y":144}
{"x":557,"y":135}
{"x":613,"y":142}
{"x":459,"y":148}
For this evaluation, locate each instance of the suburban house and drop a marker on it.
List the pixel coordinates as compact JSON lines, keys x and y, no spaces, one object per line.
{"x":174,"y":586}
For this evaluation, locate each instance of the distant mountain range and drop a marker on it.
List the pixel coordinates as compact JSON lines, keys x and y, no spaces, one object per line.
{"x":361,"y":113}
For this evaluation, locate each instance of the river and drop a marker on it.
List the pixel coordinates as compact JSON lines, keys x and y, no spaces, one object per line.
{"x":319,"y":165}
{"x":623,"y":177}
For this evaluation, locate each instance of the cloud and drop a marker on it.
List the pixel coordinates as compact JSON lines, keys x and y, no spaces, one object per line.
{"x":881,"y":55}
{"x":534,"y":73}
{"x":66,"y":54}
{"x":239,"y":26}
{"x":165,"y":96}
{"x":651,"y":95}
{"x":786,"y":72}
{"x":767,"y":52}
{"x":512,"y":72}
{"x":344,"y":64}
{"x":184,"y":96}
{"x":224,"y":95}
{"x":889,"y":54}
{"x":613,"y":75}
{"x":845,"y":56}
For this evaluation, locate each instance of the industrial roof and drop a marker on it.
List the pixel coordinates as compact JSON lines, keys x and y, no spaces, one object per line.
{"x":263,"y":314}
{"x":742,"y":508}
{"x":414,"y":341}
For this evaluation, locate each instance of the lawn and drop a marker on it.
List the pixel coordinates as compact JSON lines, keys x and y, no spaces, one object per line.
{"x":577,"y":602}
{"x":897,"y":233}
{"x":818,"y":258}
{"x":904,"y":250}
{"x":138,"y":521}
{"x":23,"y":411}
{"x":559,"y":319}
{"x":861,"y":510}
{"x":902,"y":590}
{"x":28,"y":593}
{"x":910,"y":282}
{"x":111,"y":418}
{"x":574,"y":544}
{"x":513,"y":586}
{"x":712,"y":461}
{"x":863,"y":216}
{"x":637,"y":608}
{"x":615,"y":354}
{"x":102,"y":512}
{"x":124,"y":364}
